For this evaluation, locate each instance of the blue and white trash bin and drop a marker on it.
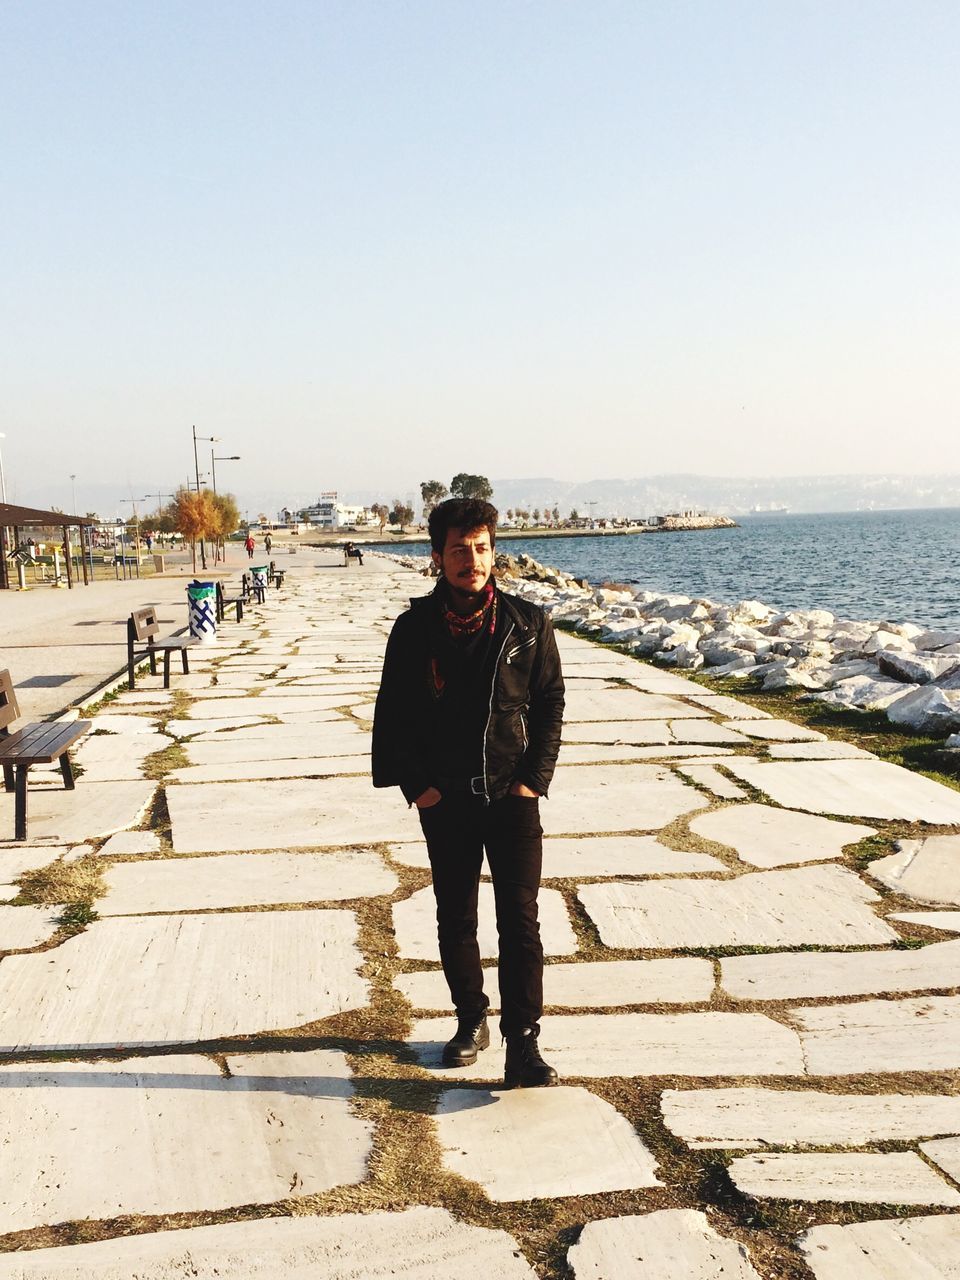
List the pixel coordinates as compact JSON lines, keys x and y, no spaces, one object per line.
{"x":261,"y":580}
{"x":202,"y":609}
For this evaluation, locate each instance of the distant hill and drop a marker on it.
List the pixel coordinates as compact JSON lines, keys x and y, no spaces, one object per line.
{"x":730,"y":495}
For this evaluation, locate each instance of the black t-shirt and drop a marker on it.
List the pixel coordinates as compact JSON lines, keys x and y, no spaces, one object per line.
{"x":461,"y":682}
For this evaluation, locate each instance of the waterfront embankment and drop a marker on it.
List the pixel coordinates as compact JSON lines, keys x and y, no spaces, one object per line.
{"x":908,"y":671}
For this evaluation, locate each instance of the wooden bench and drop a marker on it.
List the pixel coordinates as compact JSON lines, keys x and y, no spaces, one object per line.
{"x":143,"y":627}
{"x":225,"y":602}
{"x":33,"y":744}
{"x":276,"y":575}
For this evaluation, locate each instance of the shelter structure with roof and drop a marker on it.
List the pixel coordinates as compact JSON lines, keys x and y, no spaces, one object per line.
{"x":16,"y":521}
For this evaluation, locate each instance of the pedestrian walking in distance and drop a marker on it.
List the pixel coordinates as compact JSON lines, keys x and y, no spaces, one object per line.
{"x":467,"y":725}
{"x":249,"y":545}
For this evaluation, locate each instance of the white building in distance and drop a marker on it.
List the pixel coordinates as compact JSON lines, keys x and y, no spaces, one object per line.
{"x":328,"y":513}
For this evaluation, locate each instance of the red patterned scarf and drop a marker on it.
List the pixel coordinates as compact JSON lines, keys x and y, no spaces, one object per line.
{"x":459,"y":624}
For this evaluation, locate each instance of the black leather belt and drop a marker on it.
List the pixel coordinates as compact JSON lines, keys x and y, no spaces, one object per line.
{"x":462,"y":786}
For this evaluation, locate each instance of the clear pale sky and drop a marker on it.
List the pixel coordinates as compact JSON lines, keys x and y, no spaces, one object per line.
{"x":369,"y":242}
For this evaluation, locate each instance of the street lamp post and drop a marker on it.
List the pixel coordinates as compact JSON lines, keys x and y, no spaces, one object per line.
{"x":196,"y":468}
{"x":73,"y":485}
{"x":226,"y":457}
{"x":3,"y":483}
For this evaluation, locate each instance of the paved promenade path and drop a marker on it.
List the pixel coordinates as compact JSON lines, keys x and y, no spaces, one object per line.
{"x":231,"y":1069}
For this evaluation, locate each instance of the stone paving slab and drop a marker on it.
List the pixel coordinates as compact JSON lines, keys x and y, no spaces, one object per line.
{"x":93,"y":809}
{"x":767,"y":837}
{"x":631,"y":797}
{"x":216,"y":817}
{"x":622,"y":703}
{"x":517,"y":1143}
{"x":675,"y":1243}
{"x":851,"y":788}
{"x":18,"y":859}
{"x":932,"y":919}
{"x":143,"y":698}
{"x":262,"y":770}
{"x":653,"y":680}
{"x":431,"y":1242}
{"x":588,"y":857}
{"x":818,"y":751}
{"x":614,"y":732}
{"x":881,"y":1036}
{"x":592,"y":753}
{"x":265,"y":704}
{"x":788,"y":976}
{"x":415,"y":925}
{"x":596,"y":1045}
{"x":928,"y":870}
{"x":24,"y":927}
{"x":170,"y":1134}
{"x":204,"y":730}
{"x":135,"y":721}
{"x":895,"y":1177}
{"x":707,"y":733}
{"x":280,"y":742}
{"x":719,"y":704}
{"x":822,"y":905}
{"x":117,"y":757}
{"x":127,"y":843}
{"x":588,"y":985}
{"x":925,"y":1248}
{"x":772,"y":730}
{"x":711,"y":779}
{"x":746,"y":1117}
{"x":243,"y":880}
{"x":157,"y":980}
{"x":945,"y":1154}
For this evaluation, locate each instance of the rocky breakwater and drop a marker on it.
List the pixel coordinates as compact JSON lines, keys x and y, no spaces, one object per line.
{"x":909,"y":672}
{"x":678,"y":524}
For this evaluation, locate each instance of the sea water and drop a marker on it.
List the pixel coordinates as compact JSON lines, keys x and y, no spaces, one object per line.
{"x":893,"y":565}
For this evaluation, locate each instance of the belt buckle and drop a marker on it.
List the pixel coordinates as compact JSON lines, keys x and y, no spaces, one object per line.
{"x":476,"y":786}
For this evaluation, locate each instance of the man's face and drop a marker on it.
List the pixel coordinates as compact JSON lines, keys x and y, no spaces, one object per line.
{"x":466,"y":560}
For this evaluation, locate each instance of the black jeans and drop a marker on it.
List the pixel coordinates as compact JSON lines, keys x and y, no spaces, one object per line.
{"x":457,"y":830}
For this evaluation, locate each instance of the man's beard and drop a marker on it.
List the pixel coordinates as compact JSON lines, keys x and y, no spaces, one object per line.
{"x":469,"y":597}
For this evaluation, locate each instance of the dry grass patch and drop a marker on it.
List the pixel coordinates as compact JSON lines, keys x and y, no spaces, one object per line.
{"x":63,"y":883}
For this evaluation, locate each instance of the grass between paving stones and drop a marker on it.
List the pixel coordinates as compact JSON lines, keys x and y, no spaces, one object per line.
{"x":73,"y":885}
{"x":398,"y":1097}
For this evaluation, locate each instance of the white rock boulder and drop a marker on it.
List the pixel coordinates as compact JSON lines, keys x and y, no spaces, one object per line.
{"x":927,"y":709}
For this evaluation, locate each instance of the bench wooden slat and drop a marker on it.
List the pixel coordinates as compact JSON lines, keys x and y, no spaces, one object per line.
{"x":32,"y":737}
{"x":41,"y":743}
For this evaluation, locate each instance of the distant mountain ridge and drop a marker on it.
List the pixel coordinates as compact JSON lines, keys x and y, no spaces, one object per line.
{"x":729,"y":495}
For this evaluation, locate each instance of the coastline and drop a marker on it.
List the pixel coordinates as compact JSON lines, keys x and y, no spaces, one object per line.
{"x":905,"y":675}
{"x":672,"y":524}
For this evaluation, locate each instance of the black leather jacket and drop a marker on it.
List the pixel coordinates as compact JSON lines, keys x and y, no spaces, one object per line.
{"x":522,"y":733}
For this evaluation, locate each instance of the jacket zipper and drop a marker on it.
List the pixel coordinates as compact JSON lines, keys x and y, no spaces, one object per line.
{"x":519,"y":649}
{"x":493,"y":685}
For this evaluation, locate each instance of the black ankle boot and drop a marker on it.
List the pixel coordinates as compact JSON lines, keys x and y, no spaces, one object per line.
{"x":471,"y":1036}
{"x":524,"y":1068}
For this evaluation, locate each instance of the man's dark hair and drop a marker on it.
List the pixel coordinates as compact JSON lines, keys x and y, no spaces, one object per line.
{"x":461,"y":513}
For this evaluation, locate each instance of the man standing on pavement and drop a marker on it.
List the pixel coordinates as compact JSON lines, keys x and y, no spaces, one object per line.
{"x":467,"y":724}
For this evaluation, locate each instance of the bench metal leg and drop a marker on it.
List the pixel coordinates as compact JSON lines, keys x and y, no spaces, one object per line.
{"x":153,"y":661}
{"x":131,"y":682}
{"x":66,"y":768}
{"x":8,"y":783}
{"x":20,"y":804}
{"x":186,"y":663}
{"x":166,"y":668}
